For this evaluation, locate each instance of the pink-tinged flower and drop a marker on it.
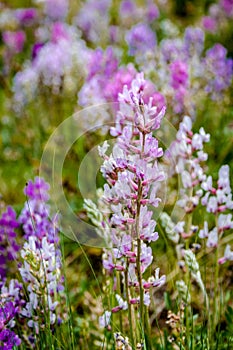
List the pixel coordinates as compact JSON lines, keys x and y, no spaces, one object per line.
{"x":225,"y":222}
{"x":227,"y":6}
{"x":179,"y":74}
{"x":209,"y":24}
{"x":59,"y":31}
{"x":152,"y":11}
{"x":122,"y":305}
{"x":14,"y":40}
{"x":228,"y":255}
{"x":155,"y":281}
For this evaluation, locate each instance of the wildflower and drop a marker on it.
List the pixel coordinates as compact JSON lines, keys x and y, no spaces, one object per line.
{"x":105,"y":319}
{"x":9,"y":247}
{"x":140,"y":38}
{"x":122,"y":305}
{"x":41,"y":272}
{"x":228,"y":255}
{"x":14,"y":40}
{"x":56,"y":9}
{"x":26,"y":16}
{"x":216,"y":66}
{"x":8,"y":339}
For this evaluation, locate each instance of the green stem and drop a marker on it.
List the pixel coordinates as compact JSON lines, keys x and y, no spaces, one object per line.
{"x":216,"y":289}
{"x":138,"y":260}
{"x":119,"y":293}
{"x":129,"y":307}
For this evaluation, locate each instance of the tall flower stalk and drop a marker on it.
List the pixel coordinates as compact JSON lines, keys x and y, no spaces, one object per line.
{"x":133,"y":177}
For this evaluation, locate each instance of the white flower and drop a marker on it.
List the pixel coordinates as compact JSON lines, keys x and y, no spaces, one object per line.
{"x":104,"y":320}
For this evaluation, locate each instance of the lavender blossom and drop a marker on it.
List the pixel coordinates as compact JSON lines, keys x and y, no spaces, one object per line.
{"x":9,"y":247}
{"x":56,"y":9}
{"x":140,"y":38}
{"x":219,"y":71}
{"x":93,"y":20}
{"x":8,"y":340}
{"x":57,"y":65}
{"x":26,"y":16}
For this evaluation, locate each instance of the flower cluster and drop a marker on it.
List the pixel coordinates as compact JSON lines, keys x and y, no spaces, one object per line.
{"x":133,"y":177}
{"x":41,"y":273}
{"x":218,"y":16}
{"x":185,"y":74}
{"x":218,"y":200}
{"x":56,"y":65}
{"x":40,"y":269}
{"x":8,"y":245}
{"x":9,"y":308}
{"x":35,"y":216}
{"x":105,"y":79}
{"x":187,"y":153}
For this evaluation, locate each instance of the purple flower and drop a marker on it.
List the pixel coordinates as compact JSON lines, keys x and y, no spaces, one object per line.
{"x":102,"y":63}
{"x":140,"y":39}
{"x":219,"y":70}
{"x":26,"y":16}
{"x":7,"y":312}
{"x":8,"y":245}
{"x":209,"y":24}
{"x":8,"y":340}
{"x":37,"y":190}
{"x":8,"y":221}
{"x":227,"y":6}
{"x":93,"y":20}
{"x":59,"y":31}
{"x":36,"y":49}
{"x":133,"y":178}
{"x":152,"y":11}
{"x":179,"y":74}
{"x":14,"y":40}
{"x":128,"y":9}
{"x":56,"y":9}
{"x":194,"y":40}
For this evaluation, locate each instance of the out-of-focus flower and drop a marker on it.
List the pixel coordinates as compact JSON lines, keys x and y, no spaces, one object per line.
{"x":8,"y":245}
{"x":56,"y":9}
{"x":227,"y":6}
{"x":26,"y":16}
{"x":14,"y":40}
{"x":140,"y":38}
{"x":219,"y":71}
{"x":209,"y":24}
{"x":105,"y":319}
